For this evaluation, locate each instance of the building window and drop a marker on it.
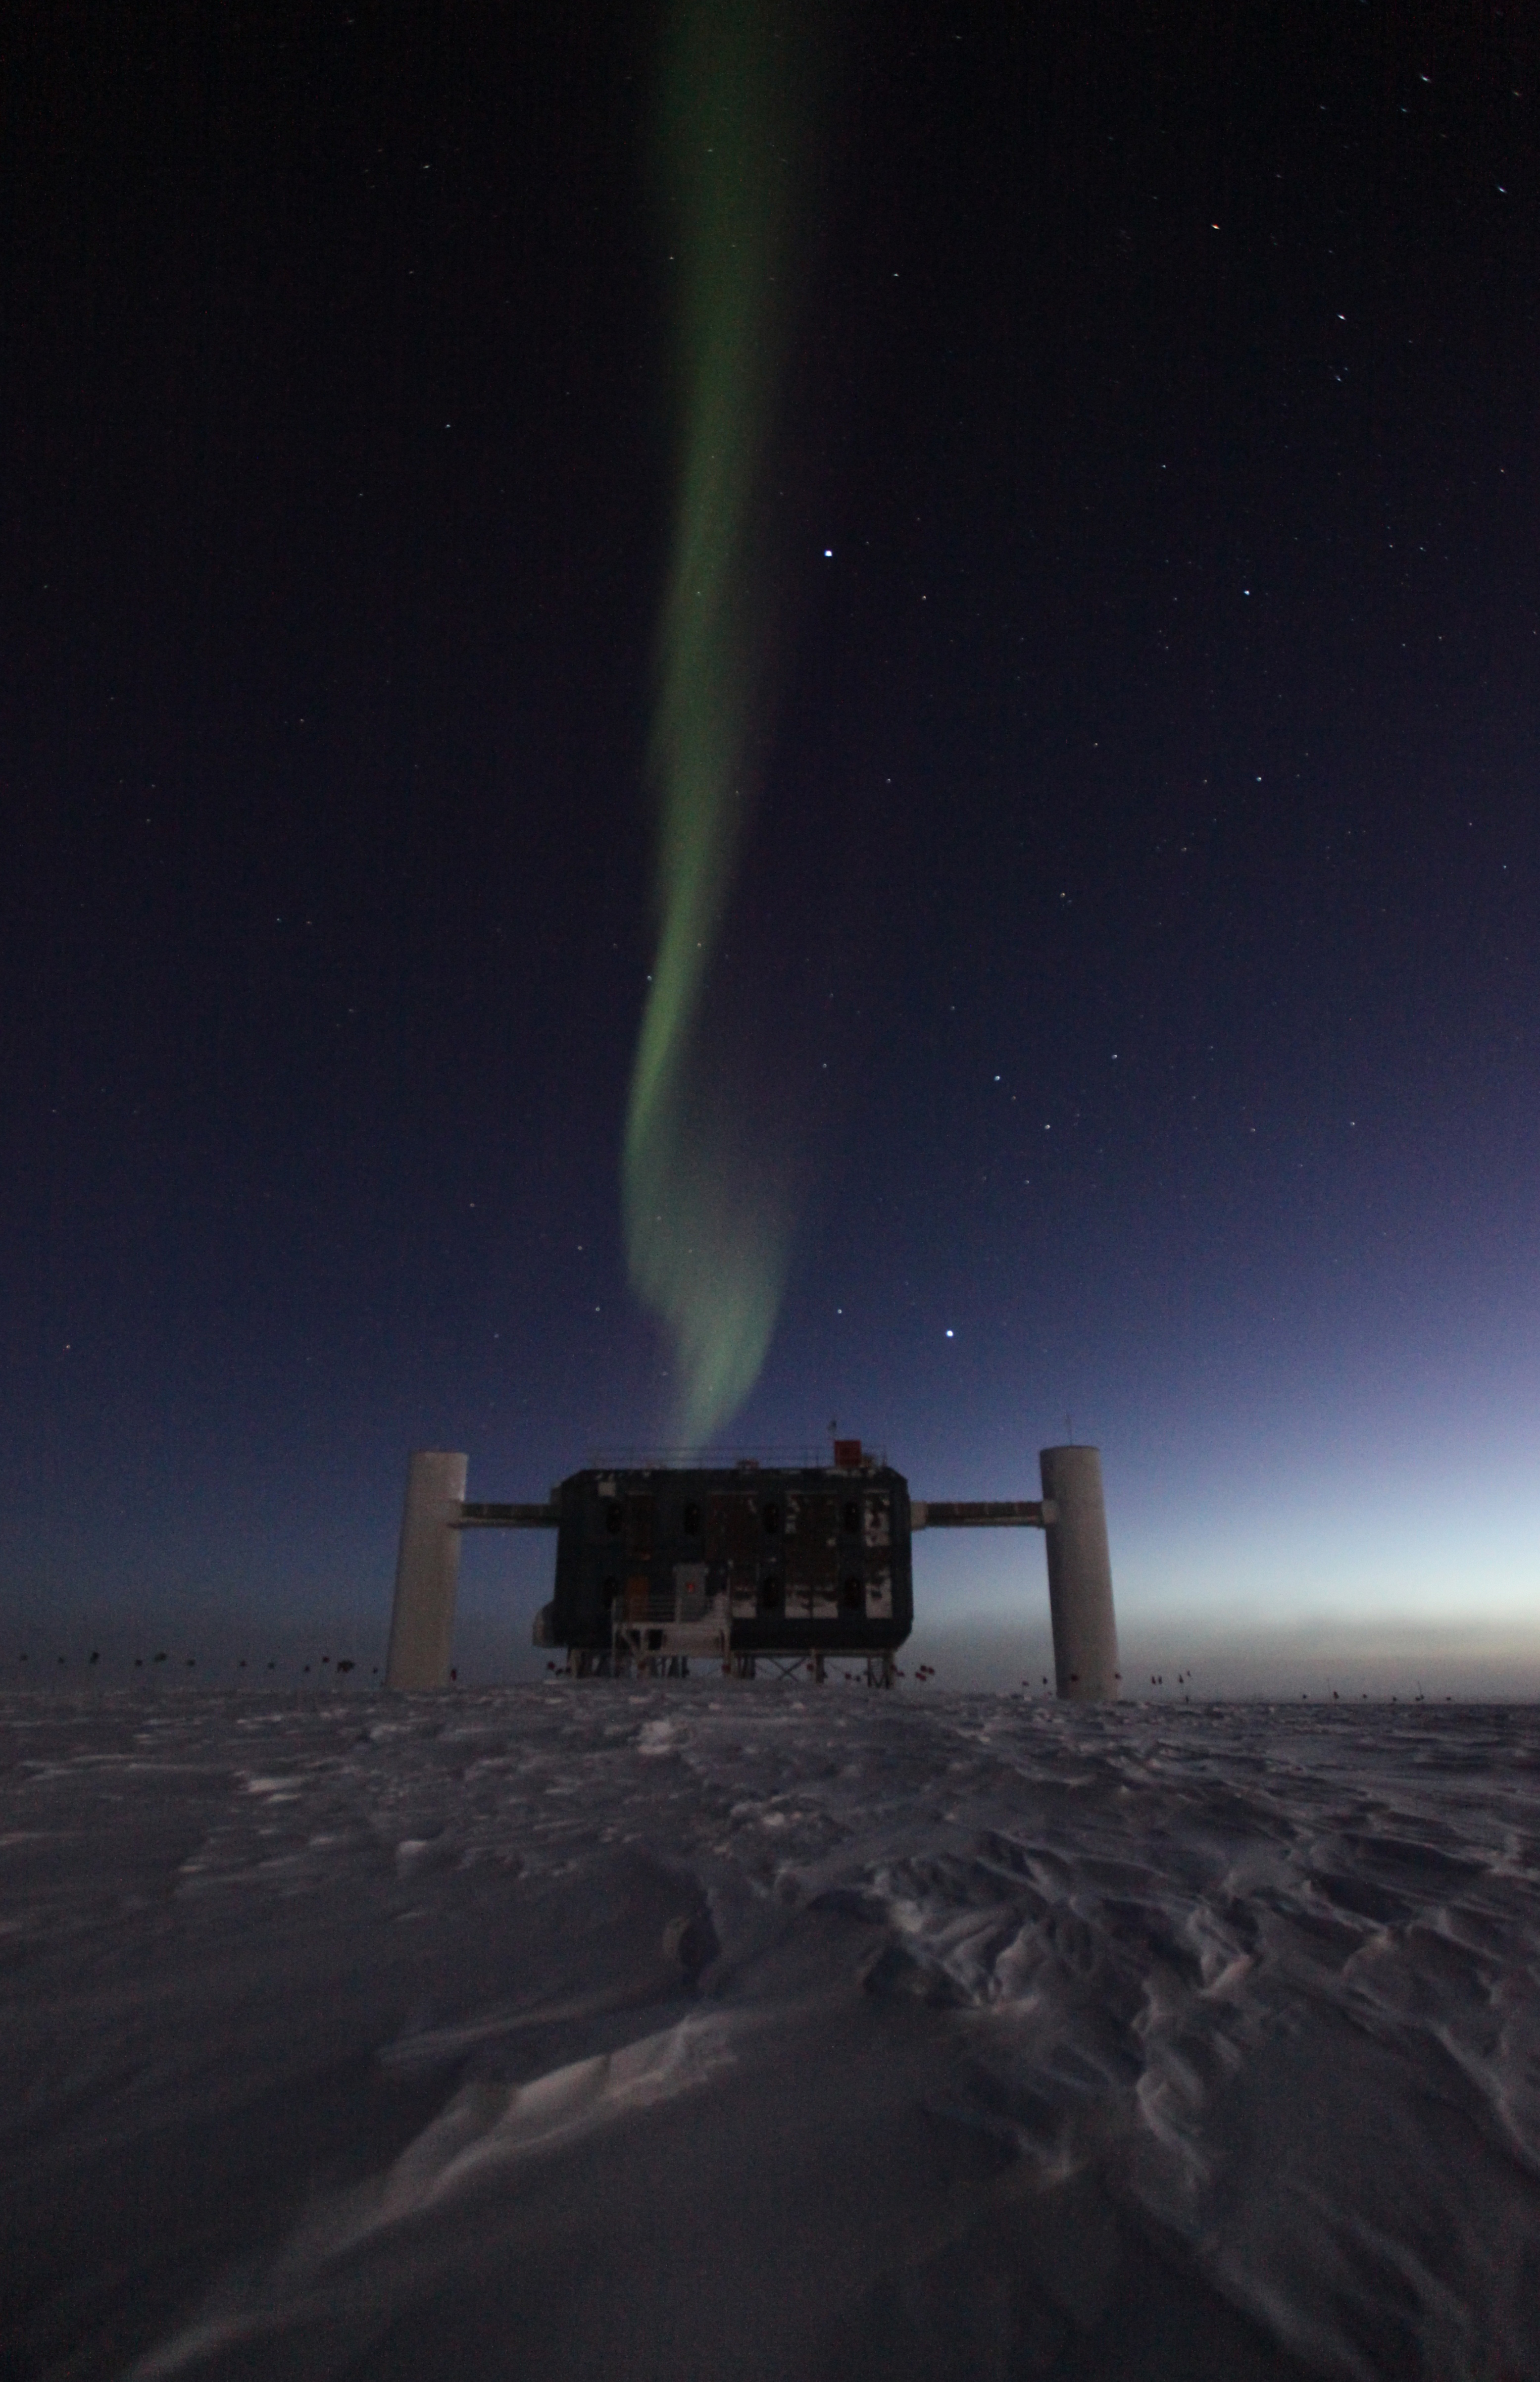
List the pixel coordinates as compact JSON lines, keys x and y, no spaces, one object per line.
{"x":770,"y":1596}
{"x":692,"y":1521}
{"x":849,"y":1516}
{"x":852,"y":1596}
{"x":772,"y":1520}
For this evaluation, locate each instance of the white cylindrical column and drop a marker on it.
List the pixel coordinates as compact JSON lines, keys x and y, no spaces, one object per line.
{"x":427,"y":1571}
{"x":1080,"y":1576}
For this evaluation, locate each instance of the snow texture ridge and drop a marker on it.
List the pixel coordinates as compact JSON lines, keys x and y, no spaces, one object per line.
{"x":697,"y":2028}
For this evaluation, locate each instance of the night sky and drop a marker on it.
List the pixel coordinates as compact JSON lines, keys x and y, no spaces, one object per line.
{"x":1128,"y":982}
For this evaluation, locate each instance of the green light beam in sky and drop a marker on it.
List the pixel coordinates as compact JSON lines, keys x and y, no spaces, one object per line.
{"x":705,"y":1239}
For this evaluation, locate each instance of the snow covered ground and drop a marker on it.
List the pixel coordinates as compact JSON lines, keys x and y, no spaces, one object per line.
{"x":753,"y":2029}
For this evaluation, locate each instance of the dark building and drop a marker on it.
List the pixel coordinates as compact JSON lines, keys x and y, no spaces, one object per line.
{"x":796,"y":1560}
{"x":659,"y":1563}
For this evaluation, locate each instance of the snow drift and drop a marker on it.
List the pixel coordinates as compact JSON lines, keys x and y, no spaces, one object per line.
{"x":709,"y":2029}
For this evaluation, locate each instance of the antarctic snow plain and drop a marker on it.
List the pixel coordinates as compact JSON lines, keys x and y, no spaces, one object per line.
{"x":725,"y":2029}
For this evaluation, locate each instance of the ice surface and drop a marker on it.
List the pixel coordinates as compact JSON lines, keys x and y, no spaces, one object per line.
{"x":723,"y":2029}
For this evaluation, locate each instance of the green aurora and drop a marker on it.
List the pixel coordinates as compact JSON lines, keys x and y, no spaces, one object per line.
{"x":706,"y":1235}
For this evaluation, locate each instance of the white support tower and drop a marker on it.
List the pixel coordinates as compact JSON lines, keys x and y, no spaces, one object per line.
{"x":1080,"y":1575}
{"x":427,"y":1571}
